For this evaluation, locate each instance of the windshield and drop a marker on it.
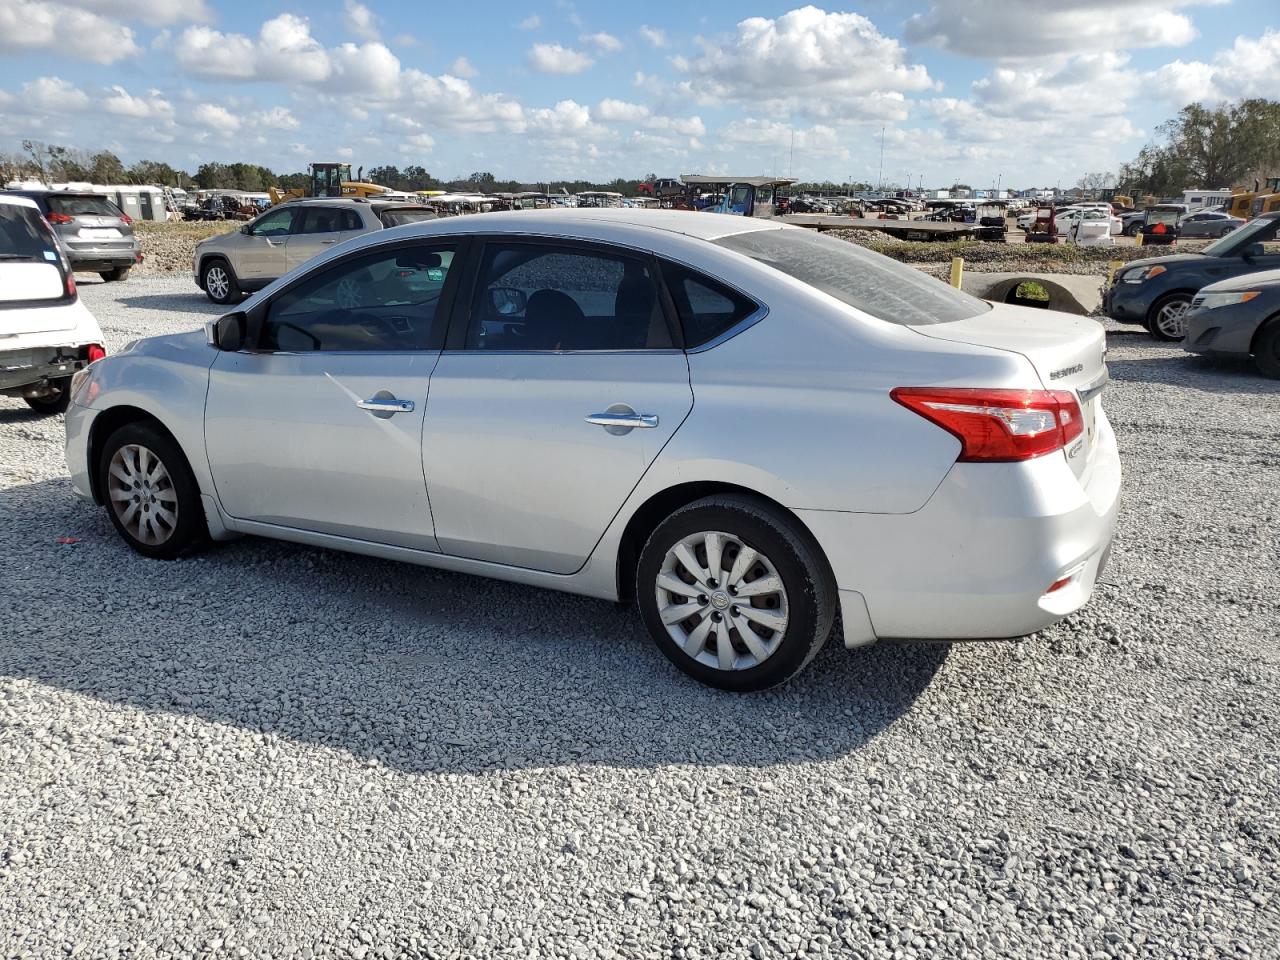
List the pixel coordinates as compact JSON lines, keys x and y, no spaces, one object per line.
{"x":871,"y":282}
{"x":1258,"y":231}
{"x":86,"y":205}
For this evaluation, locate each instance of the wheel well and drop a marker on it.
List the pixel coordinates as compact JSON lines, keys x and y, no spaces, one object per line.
{"x":205,"y":261}
{"x":1156,"y":303}
{"x":107,"y":423}
{"x":1271,"y":321}
{"x":666,"y":502}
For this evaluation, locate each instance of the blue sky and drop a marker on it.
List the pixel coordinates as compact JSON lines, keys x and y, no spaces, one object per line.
{"x":1032,"y":92}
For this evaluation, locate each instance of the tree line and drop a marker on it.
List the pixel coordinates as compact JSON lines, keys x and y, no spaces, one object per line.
{"x":1229,"y":145}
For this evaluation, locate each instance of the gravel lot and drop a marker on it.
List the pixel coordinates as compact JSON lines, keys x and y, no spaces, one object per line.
{"x":273,"y":751}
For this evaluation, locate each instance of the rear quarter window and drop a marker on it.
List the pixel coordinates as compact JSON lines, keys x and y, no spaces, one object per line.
{"x":874,"y":284}
{"x":706,"y":307}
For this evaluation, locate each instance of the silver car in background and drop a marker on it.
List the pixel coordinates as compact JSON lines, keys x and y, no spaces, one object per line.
{"x":752,"y":431}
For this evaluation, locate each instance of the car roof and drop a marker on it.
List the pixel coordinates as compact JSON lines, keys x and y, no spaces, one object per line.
{"x":599,"y":220}
{"x":17,"y":200}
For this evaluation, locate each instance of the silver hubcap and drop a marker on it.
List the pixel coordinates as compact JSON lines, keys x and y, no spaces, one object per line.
{"x":1172,"y":319}
{"x":217,"y":283}
{"x":722,"y":602}
{"x":142,"y":494}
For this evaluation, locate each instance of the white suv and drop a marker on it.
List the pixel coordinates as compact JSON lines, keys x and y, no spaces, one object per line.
{"x":46,"y":333}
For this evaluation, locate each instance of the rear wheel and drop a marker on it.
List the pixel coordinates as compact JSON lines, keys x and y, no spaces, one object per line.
{"x":1266,"y":349}
{"x":150,"y":491}
{"x":735,"y":593}
{"x":219,"y":282}
{"x":1132,"y":229}
{"x":51,"y":403}
{"x":119,"y":273}
{"x":1168,"y":317}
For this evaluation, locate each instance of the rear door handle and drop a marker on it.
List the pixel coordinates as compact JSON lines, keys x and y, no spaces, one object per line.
{"x":645,"y":421}
{"x":387,"y":405}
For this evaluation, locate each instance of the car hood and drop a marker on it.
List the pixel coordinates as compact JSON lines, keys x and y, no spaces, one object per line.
{"x":1248,"y":281}
{"x":170,"y":345}
{"x":1166,"y":261}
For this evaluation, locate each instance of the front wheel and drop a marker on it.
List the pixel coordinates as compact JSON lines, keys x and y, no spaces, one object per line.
{"x":1266,"y":349}
{"x":220,"y":283}
{"x":735,"y":593}
{"x":52,"y":403}
{"x":1132,"y":229}
{"x":1168,"y":317}
{"x":150,"y":491}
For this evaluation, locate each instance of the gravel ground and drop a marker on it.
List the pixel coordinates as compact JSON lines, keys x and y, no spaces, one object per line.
{"x":272,"y":751}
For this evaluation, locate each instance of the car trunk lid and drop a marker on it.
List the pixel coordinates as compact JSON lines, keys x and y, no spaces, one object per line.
{"x":25,"y":285}
{"x":1067,"y":353}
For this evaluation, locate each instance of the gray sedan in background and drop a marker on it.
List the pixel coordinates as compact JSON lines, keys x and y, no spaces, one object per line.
{"x":1208,"y":224}
{"x":1238,"y":317}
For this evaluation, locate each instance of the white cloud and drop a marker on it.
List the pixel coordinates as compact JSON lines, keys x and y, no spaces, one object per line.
{"x":284,"y":50}
{"x":360,"y":20}
{"x":123,"y":104}
{"x":160,"y":13}
{"x":1250,"y":68}
{"x":808,"y":61}
{"x":33,"y":25}
{"x":611,"y":110}
{"x":553,"y":58}
{"x":531,"y":22}
{"x":998,"y":29}
{"x":419,"y":142}
{"x":453,"y":103}
{"x":601,"y":42}
{"x":52,"y":95}
{"x":621,"y":111}
{"x":462,"y":68}
{"x":276,"y":118}
{"x":215,"y":117}
{"x":654,"y":35}
{"x":820,"y":139}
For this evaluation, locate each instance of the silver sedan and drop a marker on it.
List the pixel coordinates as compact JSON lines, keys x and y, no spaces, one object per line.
{"x":751,"y":431}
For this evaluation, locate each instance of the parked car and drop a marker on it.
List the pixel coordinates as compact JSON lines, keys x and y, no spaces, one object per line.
{"x":1239,"y":317}
{"x":1131,"y":223}
{"x":97,"y":235}
{"x":46,"y":333}
{"x":1156,"y":292}
{"x":931,"y":465}
{"x":1208,"y":223}
{"x":229,"y":265}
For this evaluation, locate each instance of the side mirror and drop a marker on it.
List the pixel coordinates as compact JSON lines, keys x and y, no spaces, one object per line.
{"x":227,"y":332}
{"x":507,"y":301}
{"x":1253,"y":250}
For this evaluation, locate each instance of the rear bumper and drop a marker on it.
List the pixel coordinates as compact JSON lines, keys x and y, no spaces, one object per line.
{"x":89,"y":259}
{"x":977,"y":561}
{"x":29,"y":368}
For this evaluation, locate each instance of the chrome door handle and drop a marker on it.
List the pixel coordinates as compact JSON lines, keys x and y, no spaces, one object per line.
{"x":386,"y":405}
{"x":334,"y":240}
{"x":645,"y":421}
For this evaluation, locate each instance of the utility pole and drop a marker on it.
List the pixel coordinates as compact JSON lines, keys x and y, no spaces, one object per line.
{"x":881,"y":184}
{"x":791,"y":163}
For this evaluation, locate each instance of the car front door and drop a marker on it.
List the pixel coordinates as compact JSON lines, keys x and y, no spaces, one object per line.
{"x":315,"y":230}
{"x":550,"y":402}
{"x":260,"y":250}
{"x":317,"y":425}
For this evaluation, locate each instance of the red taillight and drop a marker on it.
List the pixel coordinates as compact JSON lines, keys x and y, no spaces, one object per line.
{"x":126,"y":218}
{"x":58,"y":218}
{"x":998,"y":426}
{"x":71,"y":284}
{"x":95,"y":352}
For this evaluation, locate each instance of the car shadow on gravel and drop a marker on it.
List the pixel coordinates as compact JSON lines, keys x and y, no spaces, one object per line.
{"x":193,"y":302}
{"x":1212,"y":374}
{"x":421,"y":670}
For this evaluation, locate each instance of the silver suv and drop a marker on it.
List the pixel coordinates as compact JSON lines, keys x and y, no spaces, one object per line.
{"x":230,"y":265}
{"x":96,"y":235}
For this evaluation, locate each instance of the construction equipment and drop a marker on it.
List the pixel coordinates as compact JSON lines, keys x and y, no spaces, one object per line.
{"x":331,"y":180}
{"x":1242,"y":201}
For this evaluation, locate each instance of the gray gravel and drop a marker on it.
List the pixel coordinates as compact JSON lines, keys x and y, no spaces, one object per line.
{"x":267,"y":750}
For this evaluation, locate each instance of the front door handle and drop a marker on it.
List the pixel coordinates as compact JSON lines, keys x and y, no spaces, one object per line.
{"x":627,"y":421}
{"x":387,"y":405}
{"x":334,"y":240}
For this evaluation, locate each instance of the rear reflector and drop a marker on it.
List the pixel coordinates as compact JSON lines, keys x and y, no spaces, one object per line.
{"x":95,"y":352}
{"x":1059,"y":584}
{"x":998,"y":426}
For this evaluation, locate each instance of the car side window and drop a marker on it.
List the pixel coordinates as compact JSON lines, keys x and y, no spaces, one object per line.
{"x":319,"y":220}
{"x":547,"y":297}
{"x":273,"y":224}
{"x":350,"y":220}
{"x":706,"y":307}
{"x":382,"y":301}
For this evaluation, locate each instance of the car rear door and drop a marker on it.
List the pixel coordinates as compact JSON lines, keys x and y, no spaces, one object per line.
{"x":315,"y":229}
{"x":561,"y":382}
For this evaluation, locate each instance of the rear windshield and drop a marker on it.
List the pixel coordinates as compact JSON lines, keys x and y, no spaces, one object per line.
{"x":23,"y":235}
{"x":396,"y":218}
{"x":854,"y":275}
{"x":82,"y":205}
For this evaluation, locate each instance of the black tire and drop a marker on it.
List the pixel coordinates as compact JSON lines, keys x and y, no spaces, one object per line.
{"x":1154,"y":316}
{"x":1131,"y":230}
{"x":190,"y":528}
{"x":809,"y":595}
{"x":219,"y":281}
{"x":112,"y":276}
{"x":1266,"y":349}
{"x":57,"y":403}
